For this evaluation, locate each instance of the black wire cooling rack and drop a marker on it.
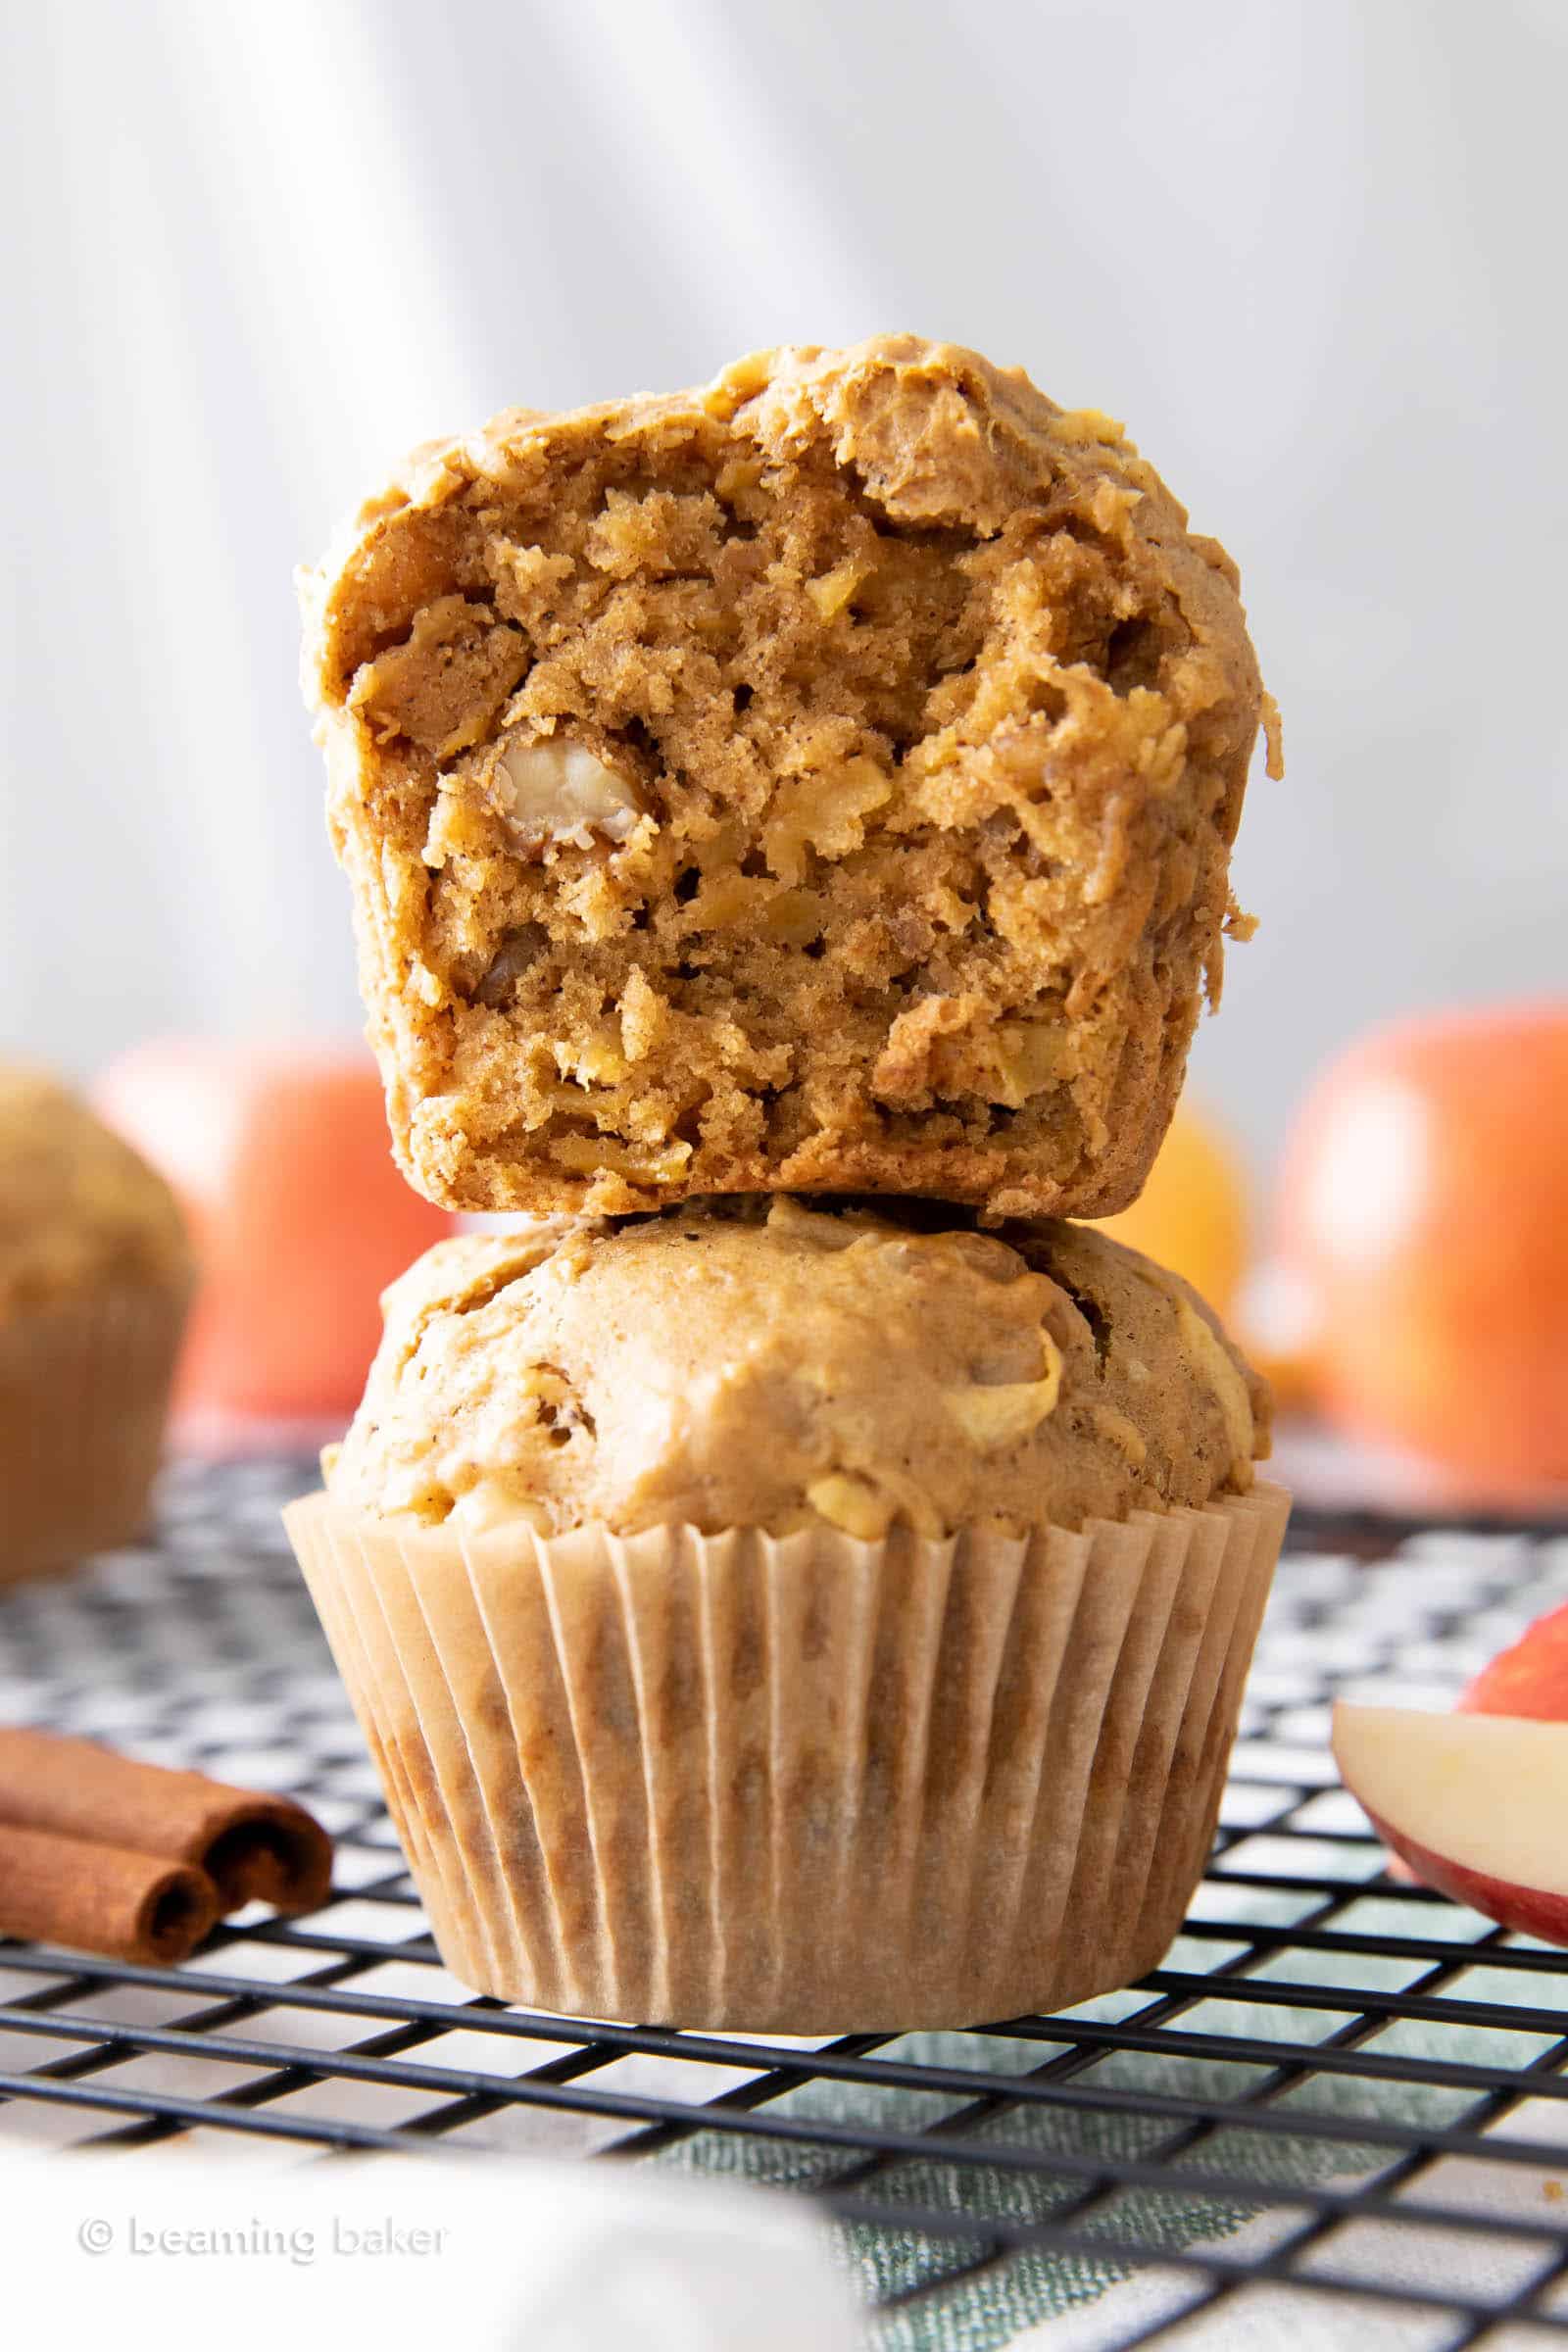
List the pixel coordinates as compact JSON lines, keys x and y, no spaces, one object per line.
{"x":1338,"y":2111}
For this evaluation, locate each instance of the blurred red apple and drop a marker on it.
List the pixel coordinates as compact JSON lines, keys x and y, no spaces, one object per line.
{"x":1530,"y":1677}
{"x":1425,"y":1211}
{"x":1473,"y":1803}
{"x":280,"y":1158}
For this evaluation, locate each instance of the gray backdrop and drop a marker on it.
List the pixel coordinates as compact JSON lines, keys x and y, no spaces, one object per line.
{"x":1311,"y":251}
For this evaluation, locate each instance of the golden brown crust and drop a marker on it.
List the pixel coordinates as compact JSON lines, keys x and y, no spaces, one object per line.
{"x":79,"y":1211}
{"x":908,"y":728}
{"x":757,"y":1363}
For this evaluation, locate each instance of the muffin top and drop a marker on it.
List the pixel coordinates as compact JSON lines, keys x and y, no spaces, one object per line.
{"x":755,"y":1362}
{"x":79,"y":1207}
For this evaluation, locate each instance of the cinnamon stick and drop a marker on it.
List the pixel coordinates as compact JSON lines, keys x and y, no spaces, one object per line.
{"x":102,"y":1898}
{"x":253,"y":1848}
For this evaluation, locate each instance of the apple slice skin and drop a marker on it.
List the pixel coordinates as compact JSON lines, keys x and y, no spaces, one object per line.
{"x":1528,"y":1677}
{"x":1526,"y":1909}
{"x":1492,"y":1787}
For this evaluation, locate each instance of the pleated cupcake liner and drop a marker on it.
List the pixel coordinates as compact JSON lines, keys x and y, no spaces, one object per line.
{"x":85,"y":1385}
{"x":799,"y":1783}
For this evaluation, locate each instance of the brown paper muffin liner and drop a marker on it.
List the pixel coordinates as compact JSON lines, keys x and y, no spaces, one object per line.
{"x":799,"y":1783}
{"x":84,"y":1387}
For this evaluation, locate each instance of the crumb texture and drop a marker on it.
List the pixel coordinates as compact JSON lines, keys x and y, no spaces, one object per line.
{"x":763,"y":1363}
{"x":79,"y":1207}
{"x":824,"y":780}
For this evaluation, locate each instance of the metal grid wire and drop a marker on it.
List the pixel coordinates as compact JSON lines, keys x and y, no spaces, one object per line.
{"x":1339,"y":2088}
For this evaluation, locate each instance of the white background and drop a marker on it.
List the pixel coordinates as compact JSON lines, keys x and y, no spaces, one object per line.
{"x":1311,"y":250}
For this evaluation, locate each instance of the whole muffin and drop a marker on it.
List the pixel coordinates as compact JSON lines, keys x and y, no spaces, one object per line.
{"x":798,"y":1617}
{"x":823,"y":779}
{"x":95,"y":1277}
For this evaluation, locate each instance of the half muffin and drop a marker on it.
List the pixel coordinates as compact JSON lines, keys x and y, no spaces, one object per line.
{"x":821,"y":780}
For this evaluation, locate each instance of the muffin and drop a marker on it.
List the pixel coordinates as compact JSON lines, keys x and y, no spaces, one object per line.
{"x":821,"y":780}
{"x":798,"y":1617}
{"x":95,"y":1278}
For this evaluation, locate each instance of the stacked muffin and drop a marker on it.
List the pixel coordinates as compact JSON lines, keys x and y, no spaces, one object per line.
{"x":788,"y":1580}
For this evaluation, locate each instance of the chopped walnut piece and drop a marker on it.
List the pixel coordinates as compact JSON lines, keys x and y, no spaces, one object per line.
{"x":519,"y":948}
{"x":555,"y":790}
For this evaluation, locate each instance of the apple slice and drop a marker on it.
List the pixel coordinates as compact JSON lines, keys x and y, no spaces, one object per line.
{"x":1528,"y":1677}
{"x":1476,"y":1804}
